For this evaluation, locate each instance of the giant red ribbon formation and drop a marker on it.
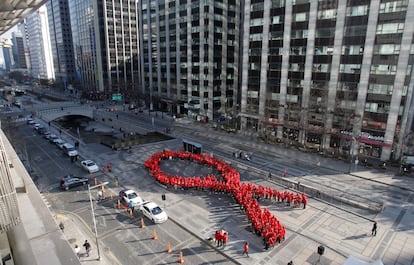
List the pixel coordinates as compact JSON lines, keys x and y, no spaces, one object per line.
{"x":245,"y":194}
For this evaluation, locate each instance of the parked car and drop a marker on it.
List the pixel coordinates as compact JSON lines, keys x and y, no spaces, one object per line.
{"x":46,"y":135}
{"x":41,"y":130}
{"x":36,"y":126}
{"x":70,"y":181}
{"x":30,"y":121}
{"x":59,"y":142}
{"x":52,"y":138}
{"x":90,"y":166}
{"x":129,"y":195}
{"x":69,"y":149}
{"x":152,"y":211}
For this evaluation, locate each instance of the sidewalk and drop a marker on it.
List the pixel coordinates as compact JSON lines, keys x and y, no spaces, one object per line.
{"x":76,"y":232}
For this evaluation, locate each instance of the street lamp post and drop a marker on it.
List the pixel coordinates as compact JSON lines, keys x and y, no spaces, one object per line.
{"x":93,"y":214}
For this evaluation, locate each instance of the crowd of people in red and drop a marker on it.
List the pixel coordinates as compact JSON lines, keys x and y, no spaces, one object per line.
{"x":246,"y":195}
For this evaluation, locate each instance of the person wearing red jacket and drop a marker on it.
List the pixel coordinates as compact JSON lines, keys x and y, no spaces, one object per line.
{"x":246,"y":249}
{"x":225,"y":239}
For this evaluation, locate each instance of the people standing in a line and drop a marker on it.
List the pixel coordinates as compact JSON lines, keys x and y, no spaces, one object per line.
{"x":246,"y":249}
{"x":87,"y":247}
{"x":284,"y":172}
{"x":77,"y":250}
{"x":374,"y":229}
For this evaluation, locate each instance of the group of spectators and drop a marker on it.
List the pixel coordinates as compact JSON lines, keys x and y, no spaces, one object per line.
{"x":246,"y":195}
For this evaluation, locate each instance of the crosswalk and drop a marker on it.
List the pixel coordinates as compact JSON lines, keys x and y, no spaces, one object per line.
{"x":45,"y":200}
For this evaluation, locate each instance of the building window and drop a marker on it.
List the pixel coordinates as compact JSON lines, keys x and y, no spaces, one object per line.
{"x":384,"y":69}
{"x":323,"y":50}
{"x":276,"y":35}
{"x":256,"y":22}
{"x":390,"y":28}
{"x":257,"y":7}
{"x":277,"y":3}
{"x":277,"y":19}
{"x":355,"y":31}
{"x":380,"y":89}
{"x":350,"y":68}
{"x":256,"y":37}
{"x":387,"y":49}
{"x":299,"y":34}
{"x":300,"y":17}
{"x":321,"y":68}
{"x":353,"y":11}
{"x":352,"y":50}
{"x":395,"y":6}
{"x":327,"y":14}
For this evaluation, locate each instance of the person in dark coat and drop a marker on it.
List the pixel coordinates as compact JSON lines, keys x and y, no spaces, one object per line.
{"x":374,"y":229}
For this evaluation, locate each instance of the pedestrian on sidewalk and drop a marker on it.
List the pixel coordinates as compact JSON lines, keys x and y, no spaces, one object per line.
{"x":246,"y":249}
{"x":374,"y":229}
{"x":77,"y":251}
{"x":87,"y":247}
{"x":284,"y":172}
{"x":62,"y":226}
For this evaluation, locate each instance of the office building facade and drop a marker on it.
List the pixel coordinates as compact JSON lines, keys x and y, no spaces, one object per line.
{"x":331,"y":75}
{"x":105,"y":40}
{"x":189,"y":52}
{"x":18,"y":50}
{"x":61,"y":40}
{"x":38,"y":43}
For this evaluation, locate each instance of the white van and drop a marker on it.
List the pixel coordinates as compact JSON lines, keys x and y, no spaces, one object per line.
{"x":69,"y":150}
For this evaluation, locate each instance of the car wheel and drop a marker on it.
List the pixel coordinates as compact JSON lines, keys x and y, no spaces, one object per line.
{"x":66,"y":188}
{"x":84,"y":183}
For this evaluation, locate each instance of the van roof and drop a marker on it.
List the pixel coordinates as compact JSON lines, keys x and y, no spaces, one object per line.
{"x":67,"y":145}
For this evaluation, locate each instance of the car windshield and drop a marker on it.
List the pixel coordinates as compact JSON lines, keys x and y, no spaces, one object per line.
{"x":132,"y":195}
{"x":156,"y":210}
{"x":71,"y":149}
{"x":90,"y":164}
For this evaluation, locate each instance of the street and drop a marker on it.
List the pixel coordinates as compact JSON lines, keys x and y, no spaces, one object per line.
{"x":195,"y":215}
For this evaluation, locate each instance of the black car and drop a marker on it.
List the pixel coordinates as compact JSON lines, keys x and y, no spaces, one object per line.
{"x":71,"y":181}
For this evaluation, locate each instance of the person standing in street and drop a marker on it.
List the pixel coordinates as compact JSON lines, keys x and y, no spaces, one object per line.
{"x":374,"y":229}
{"x":246,"y":249}
{"x":225,"y":239}
{"x":100,"y":194}
{"x":87,"y":247}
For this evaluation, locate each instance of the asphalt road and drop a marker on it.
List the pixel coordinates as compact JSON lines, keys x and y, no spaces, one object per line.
{"x":120,"y":235}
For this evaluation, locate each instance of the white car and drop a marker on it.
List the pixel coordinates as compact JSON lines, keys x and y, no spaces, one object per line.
{"x":90,"y":166}
{"x":154,"y":212}
{"x":130,"y":196}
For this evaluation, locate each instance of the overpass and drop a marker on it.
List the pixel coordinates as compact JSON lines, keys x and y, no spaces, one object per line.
{"x":52,"y":111}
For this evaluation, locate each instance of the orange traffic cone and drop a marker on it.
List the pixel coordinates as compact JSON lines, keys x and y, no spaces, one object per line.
{"x":142,"y":223}
{"x":181,"y":259}
{"x":119,"y":204}
{"x":155,"y":237}
{"x":169,"y":247}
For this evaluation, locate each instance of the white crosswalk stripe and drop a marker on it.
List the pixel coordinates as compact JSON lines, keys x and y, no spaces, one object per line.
{"x":45,"y":200}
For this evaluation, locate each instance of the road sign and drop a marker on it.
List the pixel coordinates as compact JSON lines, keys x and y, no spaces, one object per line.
{"x":117,"y":97}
